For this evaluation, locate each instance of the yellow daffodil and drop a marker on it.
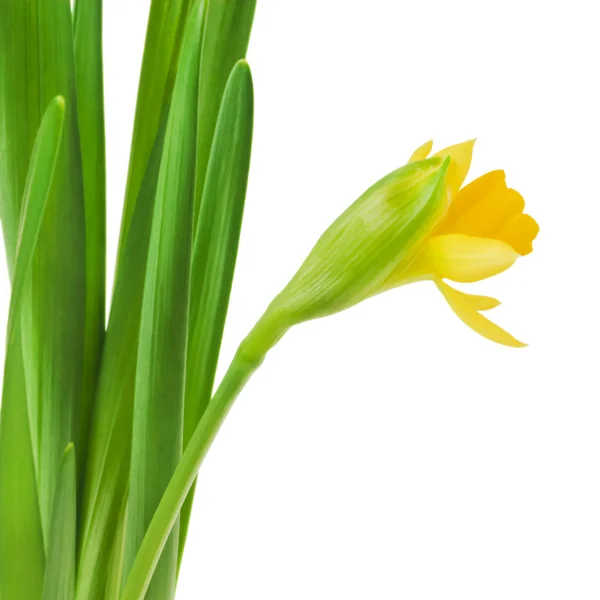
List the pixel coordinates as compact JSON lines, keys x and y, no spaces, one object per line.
{"x":482,"y":234}
{"x":418,"y":223}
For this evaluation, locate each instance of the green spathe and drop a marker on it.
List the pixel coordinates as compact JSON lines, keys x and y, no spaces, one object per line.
{"x":376,"y":235}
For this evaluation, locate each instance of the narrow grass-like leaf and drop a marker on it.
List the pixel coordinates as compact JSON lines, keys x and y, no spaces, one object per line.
{"x":109,"y":455}
{"x":22,"y":559}
{"x":215,"y":249}
{"x":59,"y":581}
{"x":20,"y":113}
{"x":233,"y":136}
{"x":227,"y":32}
{"x":160,"y":377}
{"x":90,"y":96}
{"x":37,"y":192}
{"x":114,"y":579}
{"x":53,"y":347}
{"x":161,"y":54}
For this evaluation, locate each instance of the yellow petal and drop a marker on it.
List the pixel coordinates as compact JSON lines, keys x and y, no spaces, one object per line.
{"x":488,"y":216}
{"x":466,"y":258}
{"x":470,"y":195}
{"x":460,"y":157}
{"x":477,"y":322}
{"x":477,"y":302}
{"x":519,"y":232}
{"x":421,"y":152}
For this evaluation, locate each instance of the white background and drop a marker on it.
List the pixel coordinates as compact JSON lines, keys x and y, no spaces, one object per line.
{"x":389,"y":452}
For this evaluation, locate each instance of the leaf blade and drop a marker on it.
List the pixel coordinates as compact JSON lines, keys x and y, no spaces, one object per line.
{"x":109,"y":455}
{"x":90,"y":97}
{"x":226,"y":37}
{"x":22,"y":560}
{"x":160,"y":373}
{"x":161,"y":54}
{"x":215,"y":249}
{"x":53,"y":347}
{"x":59,"y":581}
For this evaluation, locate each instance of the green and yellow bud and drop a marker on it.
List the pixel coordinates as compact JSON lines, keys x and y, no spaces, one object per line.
{"x":383,"y":230}
{"x":418,"y":223}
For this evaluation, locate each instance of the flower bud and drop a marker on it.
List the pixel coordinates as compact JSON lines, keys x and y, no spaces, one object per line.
{"x":374,"y":237}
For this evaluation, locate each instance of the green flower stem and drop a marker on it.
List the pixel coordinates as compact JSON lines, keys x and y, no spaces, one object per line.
{"x":250,"y":355}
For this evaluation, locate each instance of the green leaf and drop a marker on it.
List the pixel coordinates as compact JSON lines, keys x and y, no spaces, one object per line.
{"x":53,"y":347}
{"x":215,"y":249}
{"x":59,"y":581}
{"x":90,"y":96}
{"x":107,"y":469}
{"x":160,"y":376}
{"x":114,"y":580}
{"x":159,"y":65}
{"x":232,"y":140}
{"x":226,"y":37}
{"x":22,"y":559}
{"x":35,"y":200}
{"x":20,"y":111}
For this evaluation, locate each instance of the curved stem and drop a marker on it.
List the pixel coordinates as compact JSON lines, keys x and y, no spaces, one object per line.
{"x":249,"y":356}
{"x":166,"y":514}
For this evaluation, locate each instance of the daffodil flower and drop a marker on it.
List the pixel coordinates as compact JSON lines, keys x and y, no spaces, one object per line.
{"x":416,"y":224}
{"x":482,"y":234}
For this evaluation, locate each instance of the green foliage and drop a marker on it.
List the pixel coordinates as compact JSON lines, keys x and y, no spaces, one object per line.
{"x":160,"y":373}
{"x":135,"y":398}
{"x":59,"y":581}
{"x":22,"y":556}
{"x":118,"y":392}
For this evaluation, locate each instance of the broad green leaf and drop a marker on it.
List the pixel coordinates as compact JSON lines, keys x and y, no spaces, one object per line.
{"x":159,"y":65}
{"x":109,"y":454}
{"x":215,"y":249}
{"x":233,"y":136}
{"x":90,"y":96}
{"x":227,"y":32}
{"x":59,"y":581}
{"x":160,"y":376}
{"x":21,"y":542}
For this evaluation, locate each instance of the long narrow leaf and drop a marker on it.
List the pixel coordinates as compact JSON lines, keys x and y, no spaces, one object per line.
{"x":160,"y":377}
{"x":109,"y":455}
{"x":239,"y":100}
{"x":227,"y":33}
{"x":114,"y":579}
{"x":22,"y":559}
{"x":215,"y":249}
{"x":59,"y":581}
{"x":90,"y":96}
{"x":161,"y":54}
{"x":37,"y":192}
{"x":20,"y":112}
{"x":53,"y":347}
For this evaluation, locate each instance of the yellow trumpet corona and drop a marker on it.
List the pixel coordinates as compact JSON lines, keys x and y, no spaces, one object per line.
{"x":482,"y":233}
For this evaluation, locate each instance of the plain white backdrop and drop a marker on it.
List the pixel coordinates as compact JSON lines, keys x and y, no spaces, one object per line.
{"x":389,"y":452}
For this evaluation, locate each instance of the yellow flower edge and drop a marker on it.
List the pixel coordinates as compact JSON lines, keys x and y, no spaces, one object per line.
{"x":483,"y":232}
